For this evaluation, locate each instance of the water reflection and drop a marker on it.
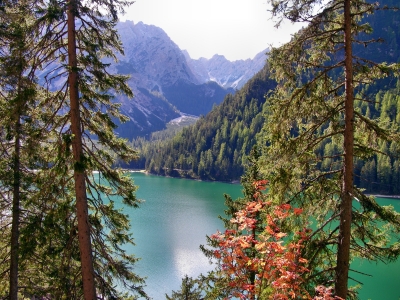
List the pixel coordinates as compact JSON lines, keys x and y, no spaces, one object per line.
{"x":170,"y":226}
{"x":188,"y":262}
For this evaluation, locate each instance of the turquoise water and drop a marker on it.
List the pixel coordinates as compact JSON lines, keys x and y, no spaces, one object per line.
{"x":170,"y":226}
{"x":177,"y":215}
{"x":384,"y":282}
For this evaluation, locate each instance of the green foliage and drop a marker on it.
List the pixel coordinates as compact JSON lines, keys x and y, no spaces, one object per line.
{"x":189,"y":290}
{"x":377,"y":170}
{"x":24,"y":140}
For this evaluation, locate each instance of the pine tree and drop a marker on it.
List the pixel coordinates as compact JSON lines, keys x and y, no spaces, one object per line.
{"x":14,"y":88}
{"x":189,"y":290}
{"x":82,"y":39}
{"x":23,"y":132}
{"x":68,"y":165}
{"x":317,"y":74}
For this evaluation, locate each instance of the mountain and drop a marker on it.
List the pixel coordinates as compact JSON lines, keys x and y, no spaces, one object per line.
{"x":150,"y":52}
{"x":164,"y":82}
{"x":224,"y":72}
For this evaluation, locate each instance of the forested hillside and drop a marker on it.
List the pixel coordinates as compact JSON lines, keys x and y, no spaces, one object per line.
{"x":379,"y":173}
{"x":216,"y":147}
{"x":320,"y":122}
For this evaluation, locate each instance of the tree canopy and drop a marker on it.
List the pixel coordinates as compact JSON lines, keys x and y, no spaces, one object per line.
{"x":320,"y":81}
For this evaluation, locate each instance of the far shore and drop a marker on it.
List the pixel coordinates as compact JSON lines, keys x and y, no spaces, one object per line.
{"x":136,"y":171}
{"x":385,"y":196}
{"x":238,"y":182}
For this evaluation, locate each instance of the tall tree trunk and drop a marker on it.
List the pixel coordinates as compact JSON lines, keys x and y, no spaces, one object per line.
{"x":343,"y":256}
{"x":85,"y":246}
{"x":15,"y":210}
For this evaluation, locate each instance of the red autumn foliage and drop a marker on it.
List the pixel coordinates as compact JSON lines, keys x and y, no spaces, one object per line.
{"x":268,"y":261}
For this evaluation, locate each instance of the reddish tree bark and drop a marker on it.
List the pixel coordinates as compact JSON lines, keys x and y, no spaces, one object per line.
{"x":85,"y":246}
{"x":343,"y":256}
{"x":15,"y":214}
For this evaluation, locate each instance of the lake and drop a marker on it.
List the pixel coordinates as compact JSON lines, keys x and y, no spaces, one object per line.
{"x":176,"y":217}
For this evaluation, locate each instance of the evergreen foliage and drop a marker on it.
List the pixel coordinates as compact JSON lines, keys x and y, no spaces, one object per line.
{"x":58,"y":149}
{"x":190,"y":290}
{"x":40,"y":162}
{"x":304,"y":161}
{"x":24,"y":138}
{"x":314,"y":106}
{"x":379,"y":172}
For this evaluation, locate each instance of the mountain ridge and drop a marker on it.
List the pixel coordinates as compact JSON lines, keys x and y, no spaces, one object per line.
{"x":164,"y":81}
{"x":229,"y":74}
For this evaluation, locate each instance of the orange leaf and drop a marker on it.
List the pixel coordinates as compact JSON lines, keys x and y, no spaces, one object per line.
{"x":280,"y":235}
{"x":297,"y":211}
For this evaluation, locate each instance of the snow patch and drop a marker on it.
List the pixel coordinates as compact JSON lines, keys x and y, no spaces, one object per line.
{"x":236,"y":82}
{"x":182,"y":118}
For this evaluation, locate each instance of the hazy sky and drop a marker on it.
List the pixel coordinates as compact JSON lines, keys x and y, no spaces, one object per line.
{"x":237,"y":29}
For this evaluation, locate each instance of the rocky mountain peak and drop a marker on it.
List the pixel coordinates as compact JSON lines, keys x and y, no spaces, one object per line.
{"x":150,"y":51}
{"x":166,"y":82}
{"x":228,"y":74}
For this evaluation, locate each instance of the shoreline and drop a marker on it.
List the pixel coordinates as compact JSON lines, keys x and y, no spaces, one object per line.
{"x":238,"y":182}
{"x":136,"y":171}
{"x":385,"y":196}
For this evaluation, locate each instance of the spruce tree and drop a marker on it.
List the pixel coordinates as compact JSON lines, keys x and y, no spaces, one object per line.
{"x":82,"y":39}
{"x":189,"y":290}
{"x":22,"y":129}
{"x":70,"y":152}
{"x":318,"y":74}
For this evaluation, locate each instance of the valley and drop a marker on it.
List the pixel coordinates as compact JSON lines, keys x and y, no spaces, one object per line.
{"x":167,"y":82}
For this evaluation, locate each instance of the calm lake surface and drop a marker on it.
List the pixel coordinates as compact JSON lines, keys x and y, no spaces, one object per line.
{"x":176,"y":217}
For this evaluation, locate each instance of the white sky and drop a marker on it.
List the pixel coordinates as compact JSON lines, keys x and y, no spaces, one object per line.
{"x":237,"y":29}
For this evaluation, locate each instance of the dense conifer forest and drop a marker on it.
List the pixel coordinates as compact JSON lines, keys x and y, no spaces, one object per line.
{"x":216,"y":148}
{"x":59,"y":239}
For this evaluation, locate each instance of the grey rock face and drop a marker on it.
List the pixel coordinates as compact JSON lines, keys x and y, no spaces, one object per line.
{"x":167,"y":82}
{"x":228,"y":74}
{"x":150,"y":52}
